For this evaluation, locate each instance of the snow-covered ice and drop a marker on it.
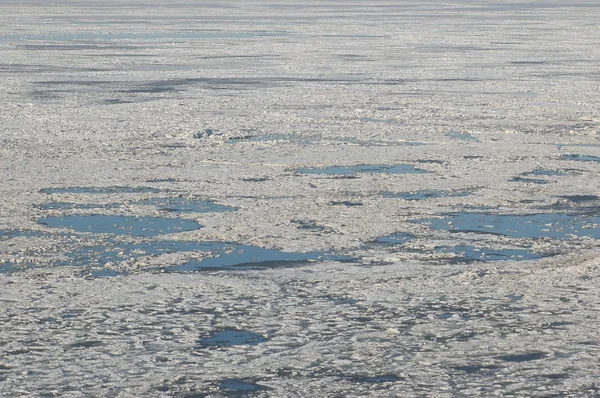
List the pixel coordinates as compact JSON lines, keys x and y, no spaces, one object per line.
{"x":415,"y":184}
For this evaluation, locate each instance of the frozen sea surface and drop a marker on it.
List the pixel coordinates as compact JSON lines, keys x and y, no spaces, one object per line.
{"x":277,"y":198}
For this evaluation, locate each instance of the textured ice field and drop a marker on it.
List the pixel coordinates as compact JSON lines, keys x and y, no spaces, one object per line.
{"x":312,"y":199}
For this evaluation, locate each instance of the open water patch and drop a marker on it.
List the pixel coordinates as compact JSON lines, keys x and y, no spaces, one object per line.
{"x":167,"y":35}
{"x":456,"y":135}
{"x":77,"y":206}
{"x":580,"y":198}
{"x":219,"y":255}
{"x":468,"y":253}
{"x":186,"y":205}
{"x":231,"y":337}
{"x":430,"y":161}
{"x":6,"y":266}
{"x":355,"y":141}
{"x":529,"y":180}
{"x":121,"y":225}
{"x":374,"y":379}
{"x":6,"y":234}
{"x":561,"y":146}
{"x":533,"y":226}
{"x":580,"y":158}
{"x":544,"y":173}
{"x":524,"y":357}
{"x":266,"y":137}
{"x":237,"y":387}
{"x":397,"y":238}
{"x":379,"y":120}
{"x":102,"y":273}
{"x":100,"y":190}
{"x":312,"y":226}
{"x":476,"y":368}
{"x":245,"y":257}
{"x":346,"y":203}
{"x":538,"y":176}
{"x":427,"y":194}
{"x":256,"y":179}
{"x":114,"y":251}
{"x":362,"y":168}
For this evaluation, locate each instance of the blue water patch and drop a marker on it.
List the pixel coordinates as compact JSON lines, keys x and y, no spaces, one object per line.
{"x":351,"y":170}
{"x":114,"y":251}
{"x":346,"y":203}
{"x":544,"y":172}
{"x":580,"y":198}
{"x":529,"y":180}
{"x":376,"y":120}
{"x":222,"y":255}
{"x":103,"y":273}
{"x":430,"y":161}
{"x":121,"y":225}
{"x":310,"y":225}
{"x":343,"y":300}
{"x":375,"y":379}
{"x":580,"y":158}
{"x":462,"y":136}
{"x":526,"y":177}
{"x":6,"y":266}
{"x":238,"y":387}
{"x":76,"y":206}
{"x":244,"y":257}
{"x":186,"y":205}
{"x":397,"y":238}
{"x":476,"y":254}
{"x":168,"y":35}
{"x":266,"y":137}
{"x":101,"y":190}
{"x":17,"y":233}
{"x":355,"y":141}
{"x":256,"y":179}
{"x":561,"y":146}
{"x":558,"y":226}
{"x":231,"y":337}
{"x":525,"y":357}
{"x":427,"y":194}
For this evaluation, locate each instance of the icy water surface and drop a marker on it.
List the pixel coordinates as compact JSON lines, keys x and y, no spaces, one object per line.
{"x":530,"y":180}
{"x":86,"y":36}
{"x":461,"y":253}
{"x":397,"y":238}
{"x":544,"y":172}
{"x":424,"y":195}
{"x":466,"y":253}
{"x":6,"y":266}
{"x":185,"y":205}
{"x":244,"y":257}
{"x":220,"y":255}
{"x":462,"y":136}
{"x":580,"y":198}
{"x":581,"y":158}
{"x":351,"y":170}
{"x":77,"y":206}
{"x":121,"y":225}
{"x":557,"y":226}
{"x":16,"y":233}
{"x":236,"y":387}
{"x":231,"y":337}
{"x":538,"y":176}
{"x":100,"y":190}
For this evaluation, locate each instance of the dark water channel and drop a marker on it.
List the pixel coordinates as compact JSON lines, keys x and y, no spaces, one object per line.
{"x":351,"y":170}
